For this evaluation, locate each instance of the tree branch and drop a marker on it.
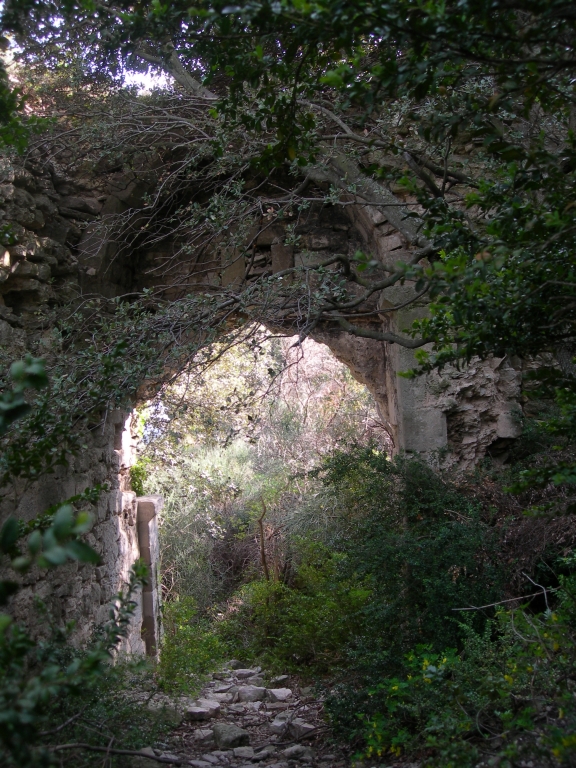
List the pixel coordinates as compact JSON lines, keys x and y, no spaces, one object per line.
{"x":391,"y":338}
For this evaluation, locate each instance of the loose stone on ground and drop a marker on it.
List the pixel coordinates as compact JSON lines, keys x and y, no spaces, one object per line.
{"x":240,"y":722}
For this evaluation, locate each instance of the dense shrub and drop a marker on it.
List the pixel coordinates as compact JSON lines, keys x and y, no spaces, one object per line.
{"x":507,"y":697}
{"x":421,"y":542}
{"x":190,"y":648}
{"x":302,"y":626}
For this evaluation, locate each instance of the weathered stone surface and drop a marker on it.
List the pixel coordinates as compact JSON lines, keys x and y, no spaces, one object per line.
{"x":279,"y":694}
{"x":243,"y":673}
{"x":229,"y":736}
{"x":198,"y":713}
{"x":246,"y":752}
{"x":299,"y":727}
{"x":279,"y":724}
{"x":223,"y":698}
{"x":251,"y":693}
{"x":298,"y":752}
{"x":264,"y":753}
{"x":213,"y":759}
{"x":223,"y":688}
{"x":204,"y":736}
{"x":212,"y":706}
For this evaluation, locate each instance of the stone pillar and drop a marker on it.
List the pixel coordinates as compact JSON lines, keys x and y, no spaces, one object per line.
{"x":147,"y":524}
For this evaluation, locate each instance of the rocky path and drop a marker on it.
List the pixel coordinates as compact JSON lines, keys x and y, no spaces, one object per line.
{"x":242,"y":720}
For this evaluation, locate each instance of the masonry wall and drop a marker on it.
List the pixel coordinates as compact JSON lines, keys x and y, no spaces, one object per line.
{"x":64,"y":252}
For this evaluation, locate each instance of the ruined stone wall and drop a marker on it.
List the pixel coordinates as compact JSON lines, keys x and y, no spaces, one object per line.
{"x":46,"y":214}
{"x":64,"y":252}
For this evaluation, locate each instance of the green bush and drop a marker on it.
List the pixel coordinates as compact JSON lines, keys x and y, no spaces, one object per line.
{"x":506,"y":698}
{"x":138,"y":476}
{"x":302,"y":626}
{"x":420,"y":541}
{"x":190,"y":648}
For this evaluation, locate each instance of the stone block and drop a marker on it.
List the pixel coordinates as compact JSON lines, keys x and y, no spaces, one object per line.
{"x":299,"y":727}
{"x":279,"y":694}
{"x":211,"y":705}
{"x":251,"y":693}
{"x":198,"y":714}
{"x":244,"y":673}
{"x":282,"y":257}
{"x":246,"y":752}
{"x":229,"y":736}
{"x":279,"y":724}
{"x":204,"y":736}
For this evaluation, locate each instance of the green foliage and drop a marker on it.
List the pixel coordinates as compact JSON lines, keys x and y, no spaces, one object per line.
{"x":138,"y":476}
{"x":559,"y":430}
{"x":221,"y":440}
{"x":190,"y":648}
{"x":302,"y":626}
{"x":110,"y":703}
{"x":422,"y":542}
{"x":34,"y":677}
{"x":25,"y":374}
{"x":507,"y":696}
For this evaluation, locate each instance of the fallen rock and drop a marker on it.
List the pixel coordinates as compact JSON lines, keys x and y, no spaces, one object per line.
{"x":234,"y":664}
{"x":299,"y":752}
{"x":279,"y":679}
{"x":264,"y":753}
{"x":242,"y":673}
{"x":299,"y":728}
{"x":279,"y":694}
{"x":223,"y":698}
{"x":278,"y":725}
{"x":198,"y":713}
{"x":246,"y":752}
{"x":200,"y":764}
{"x":251,"y":693}
{"x":204,"y":736}
{"x":228,"y":736}
{"x":212,"y":759}
{"x":223,"y":687}
{"x":295,"y":751}
{"x":211,"y":705}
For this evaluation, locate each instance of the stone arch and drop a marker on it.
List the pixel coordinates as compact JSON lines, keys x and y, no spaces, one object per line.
{"x":69,"y":245}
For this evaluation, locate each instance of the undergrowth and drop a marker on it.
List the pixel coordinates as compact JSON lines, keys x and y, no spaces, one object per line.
{"x":190,"y":648}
